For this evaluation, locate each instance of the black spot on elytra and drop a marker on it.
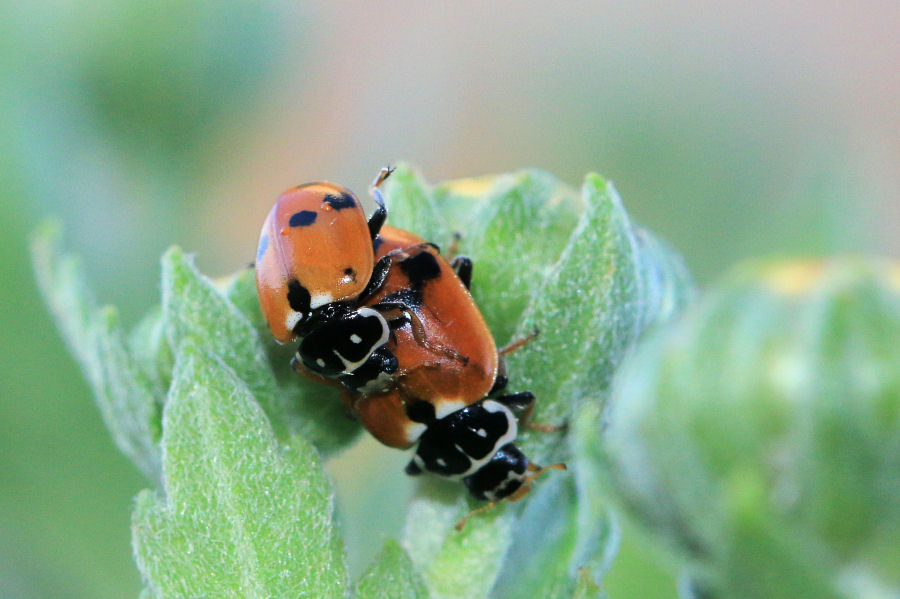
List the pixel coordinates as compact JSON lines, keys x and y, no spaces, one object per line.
{"x":263,"y":246}
{"x":420,"y":268}
{"x":298,"y":297}
{"x":304,"y":218}
{"x":350,"y":273}
{"x":339,"y":202}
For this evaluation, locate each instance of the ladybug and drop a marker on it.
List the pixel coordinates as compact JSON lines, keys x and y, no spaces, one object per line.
{"x":448,"y":399}
{"x":315,"y":266}
{"x":380,"y":312}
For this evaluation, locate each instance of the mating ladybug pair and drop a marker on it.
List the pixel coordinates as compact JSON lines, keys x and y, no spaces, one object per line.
{"x":381,"y":314}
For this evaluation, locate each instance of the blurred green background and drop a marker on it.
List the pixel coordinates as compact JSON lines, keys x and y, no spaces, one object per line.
{"x":731,"y":129}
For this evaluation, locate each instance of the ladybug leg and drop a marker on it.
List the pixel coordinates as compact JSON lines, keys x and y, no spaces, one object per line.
{"x":486,"y":507}
{"x":536,"y":471}
{"x":349,"y":399}
{"x":412,"y":469}
{"x":376,"y":221}
{"x":462,"y":266}
{"x":514,"y":346}
{"x":454,"y":246}
{"x":521,"y":492}
{"x":524,"y":402}
{"x":376,"y":281}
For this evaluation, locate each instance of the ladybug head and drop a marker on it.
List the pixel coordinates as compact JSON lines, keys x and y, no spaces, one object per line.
{"x":501,"y":477}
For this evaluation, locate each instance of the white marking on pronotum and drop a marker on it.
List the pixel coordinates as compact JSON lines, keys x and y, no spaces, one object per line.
{"x":292,"y":319}
{"x":512,"y":430}
{"x":385,"y":335}
{"x":481,"y":433}
{"x":320,"y":299}
{"x":414,"y":431}
{"x":448,"y":406}
{"x":320,"y":362}
{"x":355,"y":338}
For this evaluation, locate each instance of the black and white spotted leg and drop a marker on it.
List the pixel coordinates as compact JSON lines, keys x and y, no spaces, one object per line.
{"x":376,"y":221}
{"x":523,"y":400}
{"x":462,"y":266}
{"x":379,"y":276}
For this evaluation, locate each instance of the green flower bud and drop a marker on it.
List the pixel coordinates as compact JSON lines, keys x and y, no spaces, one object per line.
{"x":761,"y":433}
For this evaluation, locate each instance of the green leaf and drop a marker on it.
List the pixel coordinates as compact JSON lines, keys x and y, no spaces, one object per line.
{"x":586,"y":588}
{"x":193,"y":308}
{"x":519,"y":233}
{"x":455,"y":563}
{"x":588,"y":311}
{"x":589,"y":291}
{"x":411,"y":206}
{"x":242,"y":515}
{"x":392,"y":576}
{"x":576,"y":269}
{"x":666,"y":284}
{"x":150,"y":348}
{"x":128,"y":399}
{"x":565,"y":531}
{"x":318,"y":408}
{"x":761,"y":433}
{"x":538,"y":562}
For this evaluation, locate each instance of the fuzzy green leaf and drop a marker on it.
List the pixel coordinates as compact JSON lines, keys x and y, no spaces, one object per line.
{"x":455,"y":563}
{"x":576,"y":269}
{"x":589,"y":311}
{"x":149,"y":346}
{"x":666,"y":284}
{"x":242,"y":516}
{"x":538,"y":561}
{"x":193,"y":307}
{"x":590,"y":291}
{"x":412,"y":207}
{"x":392,"y":576}
{"x":586,"y":587}
{"x":128,"y":399}
{"x":565,"y":533}
{"x":520,"y":231}
{"x":318,"y":408}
